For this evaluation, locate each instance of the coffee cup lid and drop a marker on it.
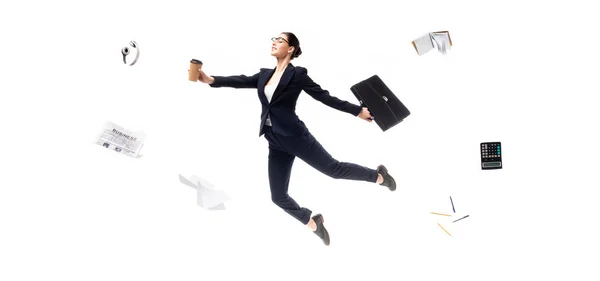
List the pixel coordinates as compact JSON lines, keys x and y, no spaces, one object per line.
{"x":196,"y":61}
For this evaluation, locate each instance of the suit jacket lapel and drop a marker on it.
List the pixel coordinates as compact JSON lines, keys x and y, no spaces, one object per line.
{"x":264,"y":78}
{"x":286,"y":77}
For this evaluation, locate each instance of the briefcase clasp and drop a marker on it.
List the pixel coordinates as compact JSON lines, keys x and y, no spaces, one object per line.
{"x":385,"y":98}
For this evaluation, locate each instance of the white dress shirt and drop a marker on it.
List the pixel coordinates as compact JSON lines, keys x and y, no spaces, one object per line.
{"x":269,"y":91}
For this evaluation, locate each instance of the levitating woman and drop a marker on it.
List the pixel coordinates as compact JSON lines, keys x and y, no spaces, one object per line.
{"x":288,"y":137}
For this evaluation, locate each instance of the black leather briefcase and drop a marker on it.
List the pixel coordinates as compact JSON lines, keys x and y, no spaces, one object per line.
{"x":385,"y":107}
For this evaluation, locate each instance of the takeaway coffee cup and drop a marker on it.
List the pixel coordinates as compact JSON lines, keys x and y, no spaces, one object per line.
{"x":195,"y":65}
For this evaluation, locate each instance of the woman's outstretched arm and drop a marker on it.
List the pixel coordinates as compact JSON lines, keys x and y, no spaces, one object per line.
{"x":236,"y":81}
{"x":315,"y":91}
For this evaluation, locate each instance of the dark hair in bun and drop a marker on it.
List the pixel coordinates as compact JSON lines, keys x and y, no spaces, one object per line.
{"x":294,"y":42}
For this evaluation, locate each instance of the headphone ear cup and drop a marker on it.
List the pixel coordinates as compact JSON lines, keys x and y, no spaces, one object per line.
{"x":125,"y":51}
{"x":133,"y":44}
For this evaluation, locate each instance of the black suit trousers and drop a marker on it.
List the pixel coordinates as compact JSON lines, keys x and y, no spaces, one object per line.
{"x":282,"y":152}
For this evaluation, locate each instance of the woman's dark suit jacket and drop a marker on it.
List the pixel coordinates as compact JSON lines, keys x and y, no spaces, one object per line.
{"x":282,"y":108}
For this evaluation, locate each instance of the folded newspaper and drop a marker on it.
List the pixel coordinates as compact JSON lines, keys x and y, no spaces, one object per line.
{"x":119,"y":139}
{"x":207,"y":197}
{"x":439,"y":39}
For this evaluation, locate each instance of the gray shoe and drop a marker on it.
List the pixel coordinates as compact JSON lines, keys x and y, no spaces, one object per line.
{"x":388,"y":180}
{"x":321,"y":231}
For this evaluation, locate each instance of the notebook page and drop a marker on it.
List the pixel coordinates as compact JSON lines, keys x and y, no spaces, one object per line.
{"x":442,"y":41}
{"x":423,"y":44}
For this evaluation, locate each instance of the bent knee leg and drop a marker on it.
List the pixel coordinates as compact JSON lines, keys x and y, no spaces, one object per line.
{"x":284,"y":201}
{"x":335,"y":169}
{"x":279,"y":200}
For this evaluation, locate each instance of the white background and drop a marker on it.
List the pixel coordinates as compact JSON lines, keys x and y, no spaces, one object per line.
{"x":521,"y":72}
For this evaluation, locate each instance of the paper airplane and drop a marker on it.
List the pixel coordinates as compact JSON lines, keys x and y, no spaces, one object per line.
{"x":218,"y":207}
{"x":207,"y":197}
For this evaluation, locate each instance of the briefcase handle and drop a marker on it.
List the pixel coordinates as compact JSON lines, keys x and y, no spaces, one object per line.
{"x":362,"y":104}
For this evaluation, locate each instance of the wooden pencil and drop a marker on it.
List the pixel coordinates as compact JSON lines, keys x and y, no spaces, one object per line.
{"x":440,"y":214}
{"x":444,"y":229}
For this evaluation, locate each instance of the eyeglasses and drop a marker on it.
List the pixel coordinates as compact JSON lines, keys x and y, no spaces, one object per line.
{"x":279,"y":39}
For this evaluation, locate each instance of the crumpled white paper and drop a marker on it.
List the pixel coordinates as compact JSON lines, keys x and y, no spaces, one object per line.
{"x":208,"y":197}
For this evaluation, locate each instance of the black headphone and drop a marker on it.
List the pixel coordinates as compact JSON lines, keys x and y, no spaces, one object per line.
{"x":125,"y":52}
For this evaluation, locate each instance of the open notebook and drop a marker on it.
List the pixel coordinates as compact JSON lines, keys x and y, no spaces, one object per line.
{"x":439,"y":39}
